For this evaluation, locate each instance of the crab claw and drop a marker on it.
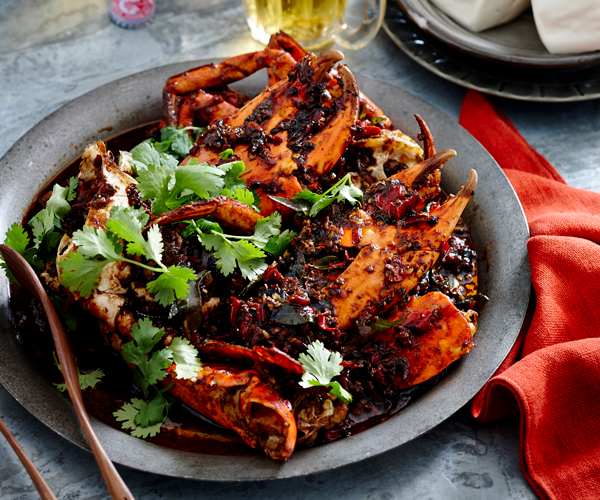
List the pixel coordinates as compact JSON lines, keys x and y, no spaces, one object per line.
{"x":240,"y":401}
{"x":228,"y":71}
{"x":391,"y":265}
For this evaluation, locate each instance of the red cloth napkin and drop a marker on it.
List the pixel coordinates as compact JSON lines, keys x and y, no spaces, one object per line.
{"x":552,"y":375}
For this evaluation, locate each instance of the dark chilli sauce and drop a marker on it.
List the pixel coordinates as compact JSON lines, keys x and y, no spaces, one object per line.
{"x":185,"y":429}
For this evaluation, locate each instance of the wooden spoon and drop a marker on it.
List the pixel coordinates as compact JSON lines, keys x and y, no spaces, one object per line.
{"x":38,"y":481}
{"x":26,"y":276}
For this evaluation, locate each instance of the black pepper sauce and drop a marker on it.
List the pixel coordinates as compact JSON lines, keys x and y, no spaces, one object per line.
{"x":455,"y":274}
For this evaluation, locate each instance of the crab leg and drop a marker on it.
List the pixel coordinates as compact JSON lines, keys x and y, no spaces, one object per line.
{"x":415,"y":176}
{"x":227,"y":210}
{"x":240,"y":401}
{"x":444,"y":335}
{"x":386,"y":270}
{"x":228,"y":71}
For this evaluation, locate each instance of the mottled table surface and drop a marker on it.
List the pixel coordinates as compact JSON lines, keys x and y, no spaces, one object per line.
{"x":52,"y":51}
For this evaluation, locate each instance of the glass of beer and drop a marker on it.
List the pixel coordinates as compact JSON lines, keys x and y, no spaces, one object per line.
{"x":316,"y":24}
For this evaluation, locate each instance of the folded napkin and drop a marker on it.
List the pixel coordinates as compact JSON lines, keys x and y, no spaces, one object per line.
{"x":552,"y":375}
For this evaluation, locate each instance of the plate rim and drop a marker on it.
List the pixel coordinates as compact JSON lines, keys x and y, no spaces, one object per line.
{"x":450,"y":33}
{"x":217,"y":468}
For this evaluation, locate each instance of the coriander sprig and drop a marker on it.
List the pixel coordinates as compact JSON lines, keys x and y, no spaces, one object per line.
{"x":247,"y":253}
{"x":96,"y":248}
{"x":321,"y":365}
{"x":144,"y":417}
{"x":311,"y":203}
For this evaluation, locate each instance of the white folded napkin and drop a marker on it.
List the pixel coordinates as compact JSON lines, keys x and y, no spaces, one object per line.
{"x":479,"y":15}
{"x":567,"y":26}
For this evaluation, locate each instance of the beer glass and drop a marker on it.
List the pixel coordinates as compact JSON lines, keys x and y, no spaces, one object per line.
{"x":316,"y":24}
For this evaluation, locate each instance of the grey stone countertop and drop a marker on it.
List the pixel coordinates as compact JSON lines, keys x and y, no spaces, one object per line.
{"x":53,"y":51}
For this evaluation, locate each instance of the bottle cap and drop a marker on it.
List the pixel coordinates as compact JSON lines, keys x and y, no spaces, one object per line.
{"x":132,"y":13}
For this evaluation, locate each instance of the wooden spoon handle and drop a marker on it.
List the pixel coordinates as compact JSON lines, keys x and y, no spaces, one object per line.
{"x":26,"y":276}
{"x":38,"y":481}
{"x":116,"y":486}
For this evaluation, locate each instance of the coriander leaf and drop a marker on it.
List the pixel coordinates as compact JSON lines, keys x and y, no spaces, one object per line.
{"x":233,"y":170}
{"x":240,"y":194}
{"x":93,"y":242}
{"x":80,"y":274}
{"x":185,"y":357}
{"x":179,"y":139}
{"x":203,"y":180}
{"x":252,"y":268}
{"x":173,"y":282}
{"x":73,"y":188}
{"x":155,"y":369}
{"x":145,"y":337}
{"x":41,"y":224}
{"x":153,"y":412}
{"x":17,"y":239}
{"x":151,"y":181}
{"x":136,"y":351}
{"x":153,"y":248}
{"x":128,"y":414}
{"x":383,"y":324}
{"x":341,"y":191}
{"x":321,"y":365}
{"x":229,"y":253}
{"x":278,"y":243}
{"x":58,"y":203}
{"x":145,"y":154}
{"x":265,"y":228}
{"x":86,"y":380}
{"x":125,"y":225}
{"x":348,"y":193}
{"x":225,"y":155}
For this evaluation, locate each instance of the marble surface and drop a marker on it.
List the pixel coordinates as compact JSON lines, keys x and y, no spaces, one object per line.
{"x":52,"y":51}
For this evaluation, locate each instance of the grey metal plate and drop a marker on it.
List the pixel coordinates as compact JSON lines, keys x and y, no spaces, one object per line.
{"x":494,"y":214}
{"x":516,"y":42}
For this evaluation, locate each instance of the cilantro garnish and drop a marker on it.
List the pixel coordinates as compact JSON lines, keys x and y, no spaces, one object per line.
{"x":244,"y":252}
{"x":383,"y":324}
{"x":311,"y":203}
{"x":144,"y":417}
{"x":225,"y":155}
{"x":96,"y":248}
{"x":320,"y":366}
{"x":170,"y":187}
{"x":86,"y":380}
{"x":45,"y":228}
